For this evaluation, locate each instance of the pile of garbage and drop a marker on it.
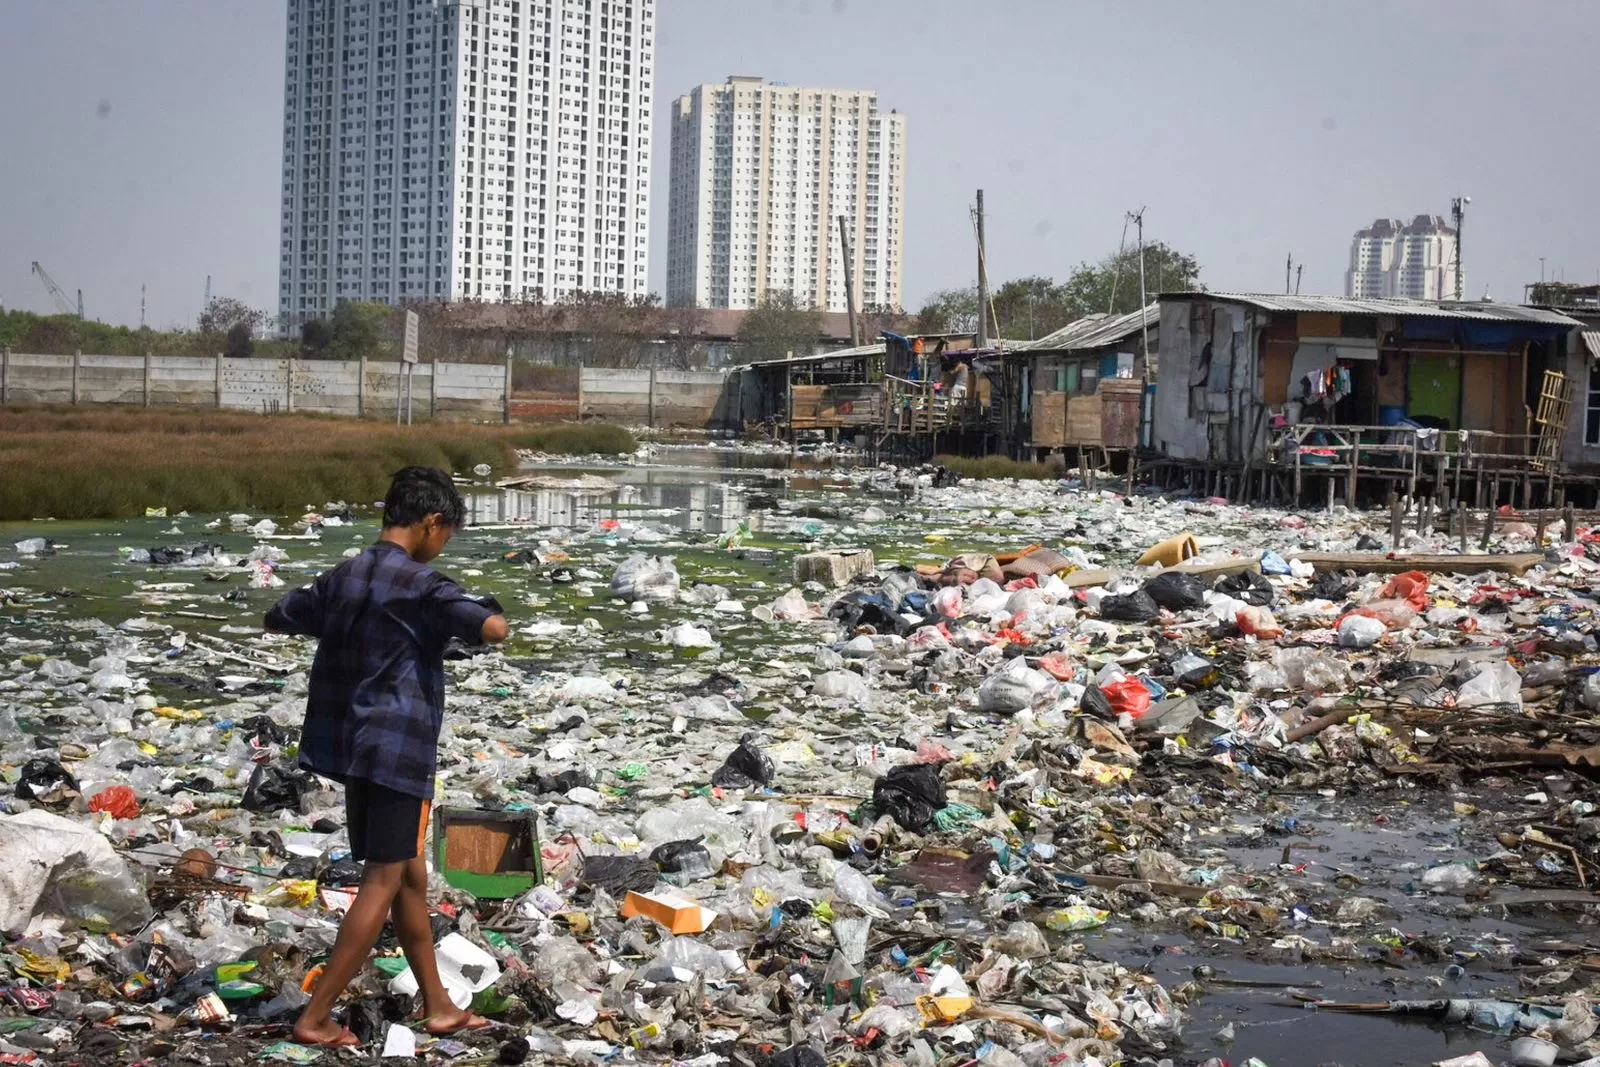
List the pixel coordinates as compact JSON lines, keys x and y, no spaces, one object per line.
{"x":978,"y":803}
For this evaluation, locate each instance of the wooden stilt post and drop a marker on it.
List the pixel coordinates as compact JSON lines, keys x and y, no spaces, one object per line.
{"x":1570,"y":523}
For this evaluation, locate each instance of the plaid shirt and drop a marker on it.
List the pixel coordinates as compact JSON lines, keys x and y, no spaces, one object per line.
{"x":376,"y":699}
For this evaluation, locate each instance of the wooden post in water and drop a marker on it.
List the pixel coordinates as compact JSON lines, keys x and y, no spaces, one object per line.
{"x":1570,"y":521}
{"x":1395,"y":519}
{"x":1460,"y":520}
{"x":1488,"y":530}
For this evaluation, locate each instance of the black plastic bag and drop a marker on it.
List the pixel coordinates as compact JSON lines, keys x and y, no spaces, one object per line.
{"x":1137,"y":606}
{"x":44,"y":779}
{"x":687,"y":859}
{"x":1247,"y":586}
{"x":1177,"y":591}
{"x":1368,"y":543}
{"x":1333,"y":585}
{"x":745,"y":766}
{"x":797,"y":1056}
{"x":872,"y":609}
{"x":910,"y":795}
{"x":343,"y":872}
{"x":301,"y":868}
{"x":1095,"y":702}
{"x":565,"y":781}
{"x":272,"y":788}
{"x":265,"y":731}
{"x":618,"y":874}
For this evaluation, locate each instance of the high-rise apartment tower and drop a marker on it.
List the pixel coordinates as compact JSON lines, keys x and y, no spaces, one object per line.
{"x":456,"y":149}
{"x":761,"y":174}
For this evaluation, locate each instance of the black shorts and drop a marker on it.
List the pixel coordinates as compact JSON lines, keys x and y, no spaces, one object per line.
{"x":385,"y":825}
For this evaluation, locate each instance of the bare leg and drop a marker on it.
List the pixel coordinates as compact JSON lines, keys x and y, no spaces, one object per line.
{"x":357,"y":934}
{"x":411,"y":926}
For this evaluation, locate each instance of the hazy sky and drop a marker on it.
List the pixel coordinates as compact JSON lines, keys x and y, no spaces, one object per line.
{"x":144,"y":135}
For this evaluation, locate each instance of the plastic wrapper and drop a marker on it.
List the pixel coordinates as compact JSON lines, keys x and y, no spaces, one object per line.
{"x":840,"y":685}
{"x":1258,"y":622}
{"x":1247,"y":586}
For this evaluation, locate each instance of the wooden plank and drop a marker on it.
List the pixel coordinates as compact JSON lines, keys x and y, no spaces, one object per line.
{"x":1383,"y":563}
{"x":1049,"y":419}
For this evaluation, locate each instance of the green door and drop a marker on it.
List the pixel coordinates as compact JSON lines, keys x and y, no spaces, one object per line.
{"x":1433,"y":388}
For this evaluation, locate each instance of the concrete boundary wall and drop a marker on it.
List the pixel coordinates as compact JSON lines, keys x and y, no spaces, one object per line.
{"x":461,"y":391}
{"x":702,"y":400}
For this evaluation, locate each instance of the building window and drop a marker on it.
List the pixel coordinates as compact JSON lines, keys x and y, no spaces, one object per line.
{"x":1591,"y":422}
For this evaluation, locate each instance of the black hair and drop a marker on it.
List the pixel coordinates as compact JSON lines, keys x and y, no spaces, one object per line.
{"x":417,"y":492}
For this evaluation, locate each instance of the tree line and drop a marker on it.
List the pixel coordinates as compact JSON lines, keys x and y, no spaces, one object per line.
{"x":1025,"y":309}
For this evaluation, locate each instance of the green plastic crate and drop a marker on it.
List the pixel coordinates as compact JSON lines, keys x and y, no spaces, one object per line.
{"x":494,"y":855}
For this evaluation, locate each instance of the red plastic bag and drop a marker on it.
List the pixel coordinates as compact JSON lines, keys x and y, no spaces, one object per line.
{"x":1128,"y":695}
{"x":1258,"y":621}
{"x":1412,"y":587}
{"x":120,"y":800}
{"x":1058,"y":666}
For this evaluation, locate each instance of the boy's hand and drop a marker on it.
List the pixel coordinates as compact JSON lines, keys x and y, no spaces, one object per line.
{"x":495,"y":630}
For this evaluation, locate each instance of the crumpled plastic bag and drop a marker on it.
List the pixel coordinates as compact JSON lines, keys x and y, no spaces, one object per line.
{"x":745,"y":766}
{"x":1129,"y":696}
{"x":1259,"y":622}
{"x":1247,"y":586}
{"x":1412,"y":587}
{"x":1177,"y":591}
{"x":840,"y":685}
{"x":1360,"y":631}
{"x":1015,"y":687}
{"x":275,"y":788}
{"x":1138,"y":606}
{"x":911,"y":795}
{"x":56,"y":866}
{"x":1496,"y":683}
{"x":641,"y":577}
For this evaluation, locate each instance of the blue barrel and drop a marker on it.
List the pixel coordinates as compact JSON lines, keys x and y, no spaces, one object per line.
{"x":1391,"y":415}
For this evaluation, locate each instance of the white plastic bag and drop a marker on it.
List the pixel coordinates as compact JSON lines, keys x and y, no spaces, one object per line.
{"x":647,"y":578}
{"x":1497,"y":683}
{"x":1015,"y":687}
{"x":1360,"y":631}
{"x":839,"y":685}
{"x":55,"y":866}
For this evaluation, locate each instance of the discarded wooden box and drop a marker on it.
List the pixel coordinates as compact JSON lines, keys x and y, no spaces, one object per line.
{"x":493,"y":855}
{"x":833,"y":568}
{"x":678,"y":914}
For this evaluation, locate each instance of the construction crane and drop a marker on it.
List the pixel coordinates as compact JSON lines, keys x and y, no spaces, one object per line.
{"x":63,"y":305}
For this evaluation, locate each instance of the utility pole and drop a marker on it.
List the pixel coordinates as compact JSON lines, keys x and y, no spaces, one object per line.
{"x":1288,"y":269}
{"x":1137,"y":218}
{"x":983,"y":282}
{"x":141,"y":305}
{"x":1298,"y":271}
{"x":849,"y":282}
{"x":1458,"y":212}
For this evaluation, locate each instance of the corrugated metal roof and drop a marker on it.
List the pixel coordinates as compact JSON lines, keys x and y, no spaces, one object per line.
{"x":1092,"y":331}
{"x":1481,"y":311}
{"x":822,"y":357}
{"x":1591,"y":341}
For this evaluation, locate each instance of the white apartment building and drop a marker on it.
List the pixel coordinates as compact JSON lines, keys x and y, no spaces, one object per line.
{"x":761,"y":174}
{"x":464,"y":149}
{"x":1393,"y":259}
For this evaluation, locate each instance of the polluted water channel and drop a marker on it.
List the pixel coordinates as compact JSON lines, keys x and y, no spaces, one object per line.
{"x":798,"y":767}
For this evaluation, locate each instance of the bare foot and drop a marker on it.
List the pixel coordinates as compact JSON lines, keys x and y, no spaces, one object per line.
{"x":328,"y":1033}
{"x":454,"y":1021}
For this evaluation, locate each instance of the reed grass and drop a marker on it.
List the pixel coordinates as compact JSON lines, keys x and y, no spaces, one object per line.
{"x":100,"y":463}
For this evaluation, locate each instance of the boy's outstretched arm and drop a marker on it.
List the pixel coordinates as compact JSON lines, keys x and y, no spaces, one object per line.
{"x":299,"y":612}
{"x":494,"y":630}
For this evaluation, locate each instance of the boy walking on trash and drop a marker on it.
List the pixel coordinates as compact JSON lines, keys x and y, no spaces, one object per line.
{"x":373,"y":714}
